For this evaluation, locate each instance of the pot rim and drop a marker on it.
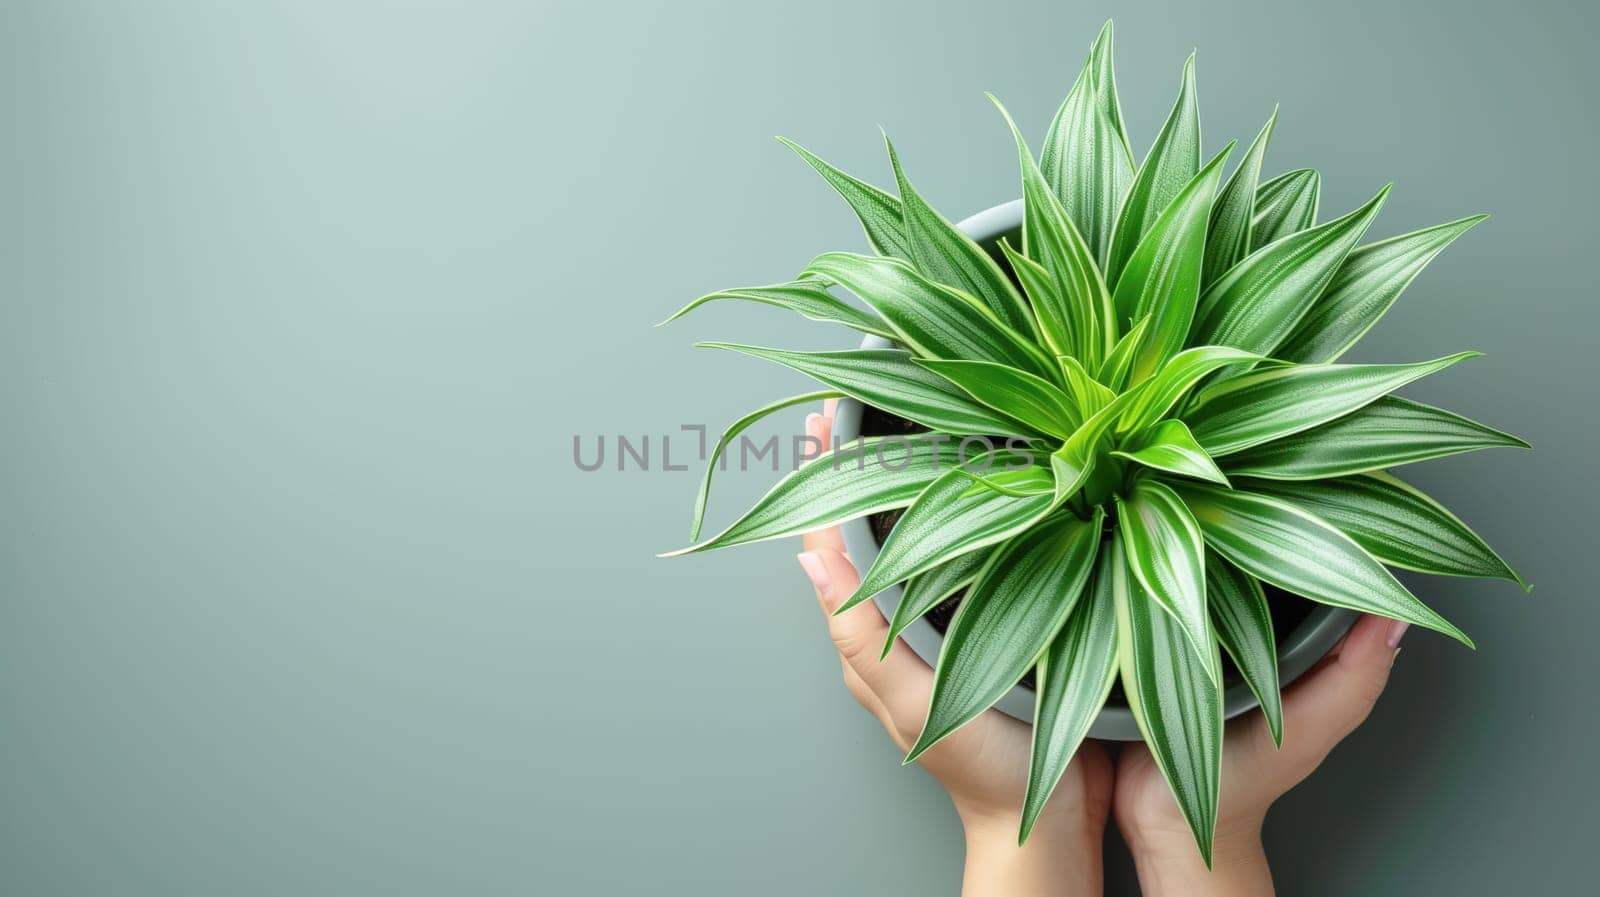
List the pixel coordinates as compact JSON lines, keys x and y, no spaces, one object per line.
{"x":1297,"y":652}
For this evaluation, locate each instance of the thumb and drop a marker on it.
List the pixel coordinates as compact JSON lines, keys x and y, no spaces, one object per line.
{"x":857,"y":635}
{"x":1330,"y":703}
{"x":900,"y":682}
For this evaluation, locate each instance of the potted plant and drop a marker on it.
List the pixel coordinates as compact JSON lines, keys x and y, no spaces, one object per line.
{"x":1107,"y":442}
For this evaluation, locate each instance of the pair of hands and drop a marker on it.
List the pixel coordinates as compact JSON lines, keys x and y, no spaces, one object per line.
{"x":984,"y":765}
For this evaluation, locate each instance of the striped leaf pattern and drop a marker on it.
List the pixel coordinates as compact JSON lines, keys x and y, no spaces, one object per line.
{"x":1075,"y":674}
{"x":1030,"y":586}
{"x":1387,"y":433}
{"x":1396,"y":523}
{"x":1285,"y":205}
{"x":1244,"y":628}
{"x":1175,"y":702}
{"x":1228,"y":241}
{"x":1086,"y":159}
{"x":1270,"y":404}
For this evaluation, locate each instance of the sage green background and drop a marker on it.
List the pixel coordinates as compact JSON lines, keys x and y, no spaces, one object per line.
{"x":301,"y":592}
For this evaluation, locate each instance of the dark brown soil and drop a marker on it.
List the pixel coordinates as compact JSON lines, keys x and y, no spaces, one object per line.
{"x":1288,"y":611}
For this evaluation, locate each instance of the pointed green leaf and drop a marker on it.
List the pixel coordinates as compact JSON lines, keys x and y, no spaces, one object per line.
{"x":1228,"y":239}
{"x":1105,"y":88}
{"x":928,"y":590}
{"x":1279,"y":543}
{"x":930,"y":319}
{"x":1020,"y":601}
{"x":1073,"y":679}
{"x":944,"y":254}
{"x":737,"y":427}
{"x":1244,"y":627}
{"x":879,"y":213}
{"x":1169,"y":446}
{"x":1167,"y":555}
{"x":1396,"y":523}
{"x":1261,"y":406}
{"x":1072,"y":322}
{"x":810,"y":298}
{"x":1036,"y":402}
{"x":1161,"y":280}
{"x":1176,"y":705}
{"x":1175,"y":378}
{"x":1173,"y":161}
{"x":1387,"y":433}
{"x":890,"y":380}
{"x":858,"y":479}
{"x":1005,"y":483}
{"x":1258,"y":302}
{"x":1088,"y":394}
{"x":1367,"y":284}
{"x":1114,"y":372}
{"x":1285,"y":205}
{"x":949,"y":519}
{"x":1086,"y":159}
{"x":1038,"y":286}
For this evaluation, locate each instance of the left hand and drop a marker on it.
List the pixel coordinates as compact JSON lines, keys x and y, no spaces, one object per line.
{"x":1322,"y":708}
{"x":984,"y":764}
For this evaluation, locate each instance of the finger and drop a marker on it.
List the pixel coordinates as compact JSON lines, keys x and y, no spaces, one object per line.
{"x":901,"y":681}
{"x":1330,"y":702}
{"x":820,"y":428}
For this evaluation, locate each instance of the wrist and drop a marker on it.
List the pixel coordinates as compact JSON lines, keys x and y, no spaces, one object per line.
{"x":1169,"y":862}
{"x":1062,"y":857}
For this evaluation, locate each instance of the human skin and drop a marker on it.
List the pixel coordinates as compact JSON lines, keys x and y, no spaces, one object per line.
{"x":984,"y":764}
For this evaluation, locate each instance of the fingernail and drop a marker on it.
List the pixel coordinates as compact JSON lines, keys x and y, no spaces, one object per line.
{"x":815,"y":569}
{"x":1396,"y":630}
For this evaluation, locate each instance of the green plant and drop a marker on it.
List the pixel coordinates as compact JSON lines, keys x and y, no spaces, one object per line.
{"x":1162,"y":352}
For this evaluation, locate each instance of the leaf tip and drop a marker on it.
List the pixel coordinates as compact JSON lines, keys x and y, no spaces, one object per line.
{"x":861,"y":594}
{"x":1030,"y":815}
{"x":675,"y":315}
{"x":1512,"y":575}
